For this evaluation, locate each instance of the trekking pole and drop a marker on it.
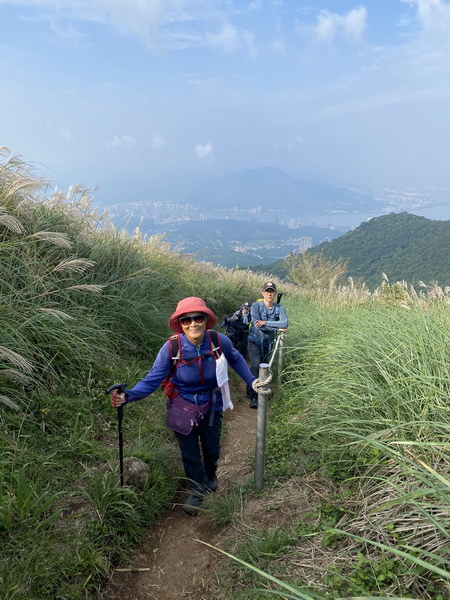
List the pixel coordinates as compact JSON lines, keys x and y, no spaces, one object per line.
{"x":120,"y":387}
{"x":261,"y":422}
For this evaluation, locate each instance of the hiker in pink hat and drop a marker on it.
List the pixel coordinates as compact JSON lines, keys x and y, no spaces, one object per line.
{"x":192,"y":367}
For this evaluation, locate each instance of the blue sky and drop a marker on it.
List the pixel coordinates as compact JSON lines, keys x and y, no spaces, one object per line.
{"x":126,"y":94}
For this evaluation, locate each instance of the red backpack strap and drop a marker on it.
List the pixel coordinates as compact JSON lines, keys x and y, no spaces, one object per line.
{"x":175,"y":357}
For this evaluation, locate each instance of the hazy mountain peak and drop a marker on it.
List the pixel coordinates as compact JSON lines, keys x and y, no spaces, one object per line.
{"x":269,"y":187}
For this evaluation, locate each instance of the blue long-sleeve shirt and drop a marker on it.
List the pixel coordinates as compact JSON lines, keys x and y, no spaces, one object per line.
{"x":275,"y":318}
{"x":187,"y":378}
{"x":260,"y":312}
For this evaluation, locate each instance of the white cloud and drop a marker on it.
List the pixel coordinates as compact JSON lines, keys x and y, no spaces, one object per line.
{"x":62,"y":132}
{"x":158,"y":142}
{"x":68,"y":34}
{"x":330,"y":25}
{"x":433,"y":15}
{"x":166,"y":23}
{"x":124,"y":141}
{"x":256,"y":5}
{"x":289,"y":145}
{"x":226,"y":39}
{"x":204,"y":150}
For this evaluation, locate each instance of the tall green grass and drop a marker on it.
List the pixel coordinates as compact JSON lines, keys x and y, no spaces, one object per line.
{"x":365,"y":402}
{"x":372,"y":368}
{"x":81,"y":305}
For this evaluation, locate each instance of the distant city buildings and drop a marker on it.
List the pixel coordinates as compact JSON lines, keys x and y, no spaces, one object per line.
{"x":159,"y":212}
{"x":305,"y":244}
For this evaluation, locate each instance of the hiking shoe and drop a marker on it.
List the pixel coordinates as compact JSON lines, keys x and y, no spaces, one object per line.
{"x":213,"y":483}
{"x":254,"y":403}
{"x":192,"y":504}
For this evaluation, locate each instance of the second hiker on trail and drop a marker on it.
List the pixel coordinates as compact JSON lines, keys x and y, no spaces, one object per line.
{"x":268,"y":317}
{"x":192,"y":366}
{"x":237,"y":327}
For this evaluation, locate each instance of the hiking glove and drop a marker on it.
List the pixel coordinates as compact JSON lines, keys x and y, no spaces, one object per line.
{"x":260,"y":387}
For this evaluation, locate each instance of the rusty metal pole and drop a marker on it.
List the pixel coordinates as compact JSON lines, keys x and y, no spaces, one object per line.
{"x":261,"y":422}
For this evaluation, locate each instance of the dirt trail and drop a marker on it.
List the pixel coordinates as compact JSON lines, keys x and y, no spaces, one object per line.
{"x":174,"y":564}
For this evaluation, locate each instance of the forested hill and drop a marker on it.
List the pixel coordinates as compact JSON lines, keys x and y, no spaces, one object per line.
{"x":401,"y":245}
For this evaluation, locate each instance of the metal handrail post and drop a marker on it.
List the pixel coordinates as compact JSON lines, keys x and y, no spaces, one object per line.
{"x":261,"y":423}
{"x":280,"y":356}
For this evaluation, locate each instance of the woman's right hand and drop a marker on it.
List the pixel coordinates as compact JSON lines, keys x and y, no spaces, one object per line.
{"x":117,"y":399}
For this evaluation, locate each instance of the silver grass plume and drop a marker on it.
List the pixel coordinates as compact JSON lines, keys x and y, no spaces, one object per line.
{"x":22,"y":184}
{"x":15,"y":359}
{"x":74,"y":265}
{"x":93,"y":289}
{"x":59,"y":314}
{"x":10,"y":222}
{"x":53,"y":237}
{"x":8,"y":402}
{"x":14,"y":374}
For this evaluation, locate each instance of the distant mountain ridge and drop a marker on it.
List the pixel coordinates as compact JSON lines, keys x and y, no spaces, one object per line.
{"x":401,"y":245}
{"x":268,"y":187}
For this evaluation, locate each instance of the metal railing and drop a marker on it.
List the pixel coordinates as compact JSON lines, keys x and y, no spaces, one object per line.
{"x":261,"y":418}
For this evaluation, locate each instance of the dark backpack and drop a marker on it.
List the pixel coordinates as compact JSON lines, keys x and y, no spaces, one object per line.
{"x":176,"y":357}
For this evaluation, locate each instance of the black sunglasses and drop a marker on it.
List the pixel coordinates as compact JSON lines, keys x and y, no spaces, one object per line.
{"x":196,"y":318}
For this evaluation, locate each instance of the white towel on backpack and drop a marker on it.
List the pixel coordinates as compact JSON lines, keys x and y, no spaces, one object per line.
{"x":222,"y":381}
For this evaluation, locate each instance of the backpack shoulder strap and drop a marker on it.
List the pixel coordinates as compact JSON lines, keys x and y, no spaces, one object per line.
{"x":175,"y":357}
{"x":264,"y":313}
{"x":214,"y":341}
{"x":175,"y":349}
{"x":262,"y":310}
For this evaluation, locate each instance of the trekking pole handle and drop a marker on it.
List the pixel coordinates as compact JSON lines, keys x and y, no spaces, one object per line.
{"x":120,"y":387}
